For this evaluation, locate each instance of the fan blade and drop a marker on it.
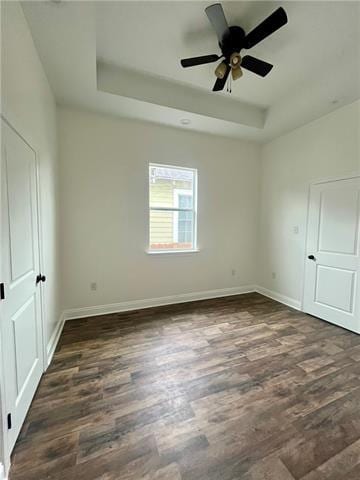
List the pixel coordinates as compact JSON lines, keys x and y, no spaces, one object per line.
{"x":220,"y":82}
{"x":256,"y":66}
{"x":191,"y":62}
{"x":217,"y":19}
{"x":276,"y":20}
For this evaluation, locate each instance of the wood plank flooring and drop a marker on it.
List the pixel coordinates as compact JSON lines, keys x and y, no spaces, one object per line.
{"x":227,"y":389}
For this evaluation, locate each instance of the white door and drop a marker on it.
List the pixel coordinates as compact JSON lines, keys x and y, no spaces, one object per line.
{"x":21,"y":307}
{"x":332,"y":286}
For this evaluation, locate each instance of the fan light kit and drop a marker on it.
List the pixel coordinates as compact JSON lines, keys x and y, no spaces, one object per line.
{"x":221,"y":70}
{"x":231,"y":41}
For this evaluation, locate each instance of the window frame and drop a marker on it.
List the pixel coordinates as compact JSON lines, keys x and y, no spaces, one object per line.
{"x":176,"y":210}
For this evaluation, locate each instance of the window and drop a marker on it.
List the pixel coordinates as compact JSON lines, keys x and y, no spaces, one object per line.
{"x":172,"y":195}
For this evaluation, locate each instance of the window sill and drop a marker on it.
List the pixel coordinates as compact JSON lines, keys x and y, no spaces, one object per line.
{"x":171,"y":252}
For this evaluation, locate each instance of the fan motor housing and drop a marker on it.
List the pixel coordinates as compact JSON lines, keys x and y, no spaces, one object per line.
{"x":232,"y":42}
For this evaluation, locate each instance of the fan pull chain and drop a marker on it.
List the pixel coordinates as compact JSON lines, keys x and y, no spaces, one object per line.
{"x":229,"y":85}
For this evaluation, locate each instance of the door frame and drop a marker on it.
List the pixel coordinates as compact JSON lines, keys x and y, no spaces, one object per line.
{"x":311,"y":184}
{"x":4,"y":452}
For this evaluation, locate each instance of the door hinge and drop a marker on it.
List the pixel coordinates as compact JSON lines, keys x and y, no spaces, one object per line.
{"x":2,"y":291}
{"x":9,"y":422}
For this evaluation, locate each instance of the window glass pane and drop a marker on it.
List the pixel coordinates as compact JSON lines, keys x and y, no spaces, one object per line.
{"x":167,"y":183}
{"x":184,"y":200}
{"x":185,"y":228}
{"x":172,"y":216}
{"x":171,"y":230}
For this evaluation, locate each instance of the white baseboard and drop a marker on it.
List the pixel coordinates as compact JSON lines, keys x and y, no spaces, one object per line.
{"x":290,"y":302}
{"x":54,"y":339}
{"x":74,"y":313}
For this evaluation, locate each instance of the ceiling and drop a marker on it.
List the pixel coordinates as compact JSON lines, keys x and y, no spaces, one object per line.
{"x":123,"y":58}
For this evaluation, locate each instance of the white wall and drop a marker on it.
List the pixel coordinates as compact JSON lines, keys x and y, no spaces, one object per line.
{"x":29,"y":106}
{"x":104,"y":210}
{"x":327,"y":147}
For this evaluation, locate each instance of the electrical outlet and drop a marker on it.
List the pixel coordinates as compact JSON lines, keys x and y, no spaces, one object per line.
{"x":93,"y":286}
{"x":273,"y":275}
{"x":296,"y":229}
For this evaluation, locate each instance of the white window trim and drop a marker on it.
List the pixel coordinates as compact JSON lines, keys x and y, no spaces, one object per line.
{"x":195,"y":249}
{"x":170,"y":252}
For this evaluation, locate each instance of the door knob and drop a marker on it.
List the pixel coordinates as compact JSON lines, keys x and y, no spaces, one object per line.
{"x":311,"y":257}
{"x":40,"y":278}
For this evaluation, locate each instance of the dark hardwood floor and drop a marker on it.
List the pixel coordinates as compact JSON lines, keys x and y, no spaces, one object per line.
{"x":234,"y":388}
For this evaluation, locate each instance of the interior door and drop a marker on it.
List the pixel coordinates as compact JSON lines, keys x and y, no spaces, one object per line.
{"x":332,"y":287}
{"x":21,"y":307}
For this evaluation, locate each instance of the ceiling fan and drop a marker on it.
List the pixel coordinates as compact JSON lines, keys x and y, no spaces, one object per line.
{"x":232,"y":40}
